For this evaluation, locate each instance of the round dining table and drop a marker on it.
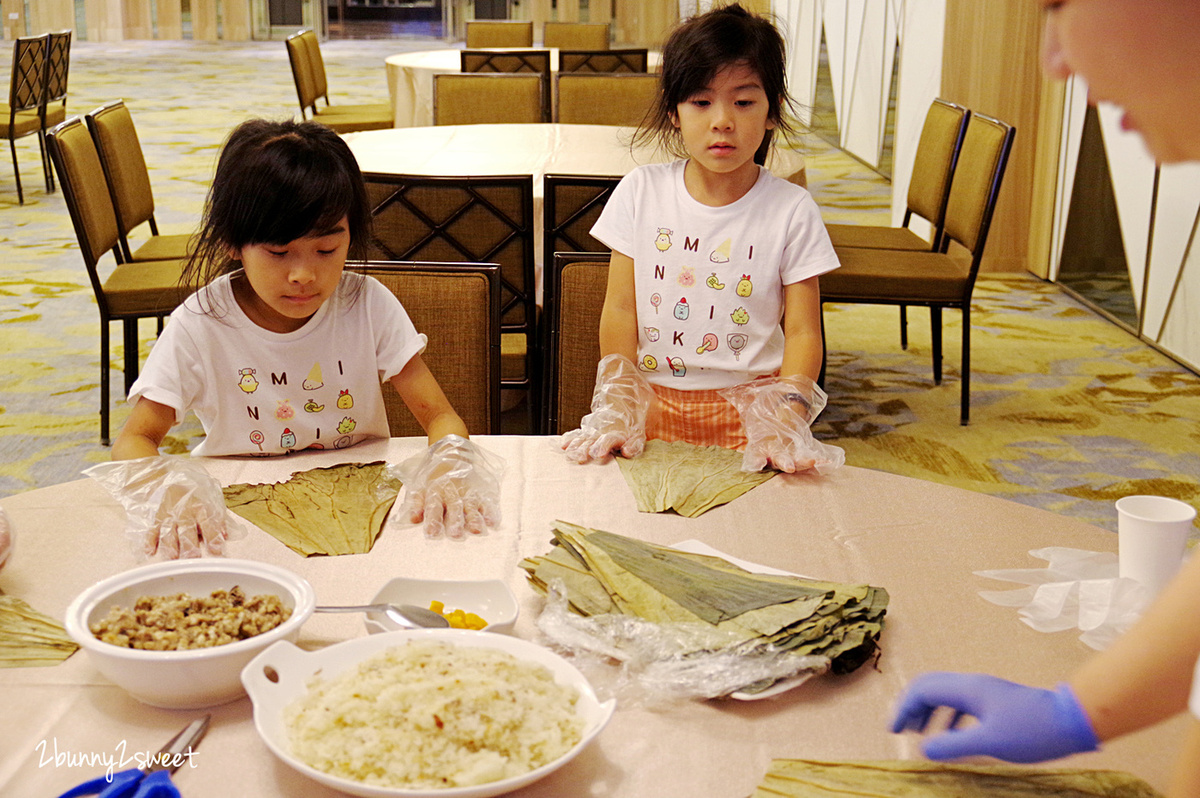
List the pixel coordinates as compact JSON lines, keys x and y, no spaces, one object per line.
{"x":919,"y":540}
{"x":410,"y":79}
{"x":523,"y":149}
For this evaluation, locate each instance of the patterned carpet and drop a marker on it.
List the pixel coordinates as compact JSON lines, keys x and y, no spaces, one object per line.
{"x":1068,"y":411}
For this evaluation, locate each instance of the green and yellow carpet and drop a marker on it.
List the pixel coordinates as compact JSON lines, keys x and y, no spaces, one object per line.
{"x":1068,"y":411}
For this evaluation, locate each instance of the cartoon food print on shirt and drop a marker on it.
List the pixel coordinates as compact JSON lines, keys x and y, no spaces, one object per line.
{"x":656,"y":300}
{"x":721,"y":253}
{"x":681,"y":309}
{"x":736,"y":343}
{"x":284,"y":410}
{"x":247,"y":382}
{"x":709,"y":344}
{"x":740,"y":316}
{"x":345,"y":401}
{"x":346,"y":425}
{"x":744,"y":286}
{"x":713,"y":282}
{"x":648,"y":363}
{"x":258,"y":439}
{"x":313,"y":381}
{"x":687,"y":276}
{"x":663,"y":240}
{"x":678,"y":369}
{"x":652,"y":334}
{"x":288,"y":439}
{"x":311,"y":406}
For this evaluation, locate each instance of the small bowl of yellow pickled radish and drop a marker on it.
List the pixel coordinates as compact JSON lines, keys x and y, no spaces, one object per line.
{"x":485,"y":605}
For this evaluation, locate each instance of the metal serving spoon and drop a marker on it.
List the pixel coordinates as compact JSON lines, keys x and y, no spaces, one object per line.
{"x":409,"y":616}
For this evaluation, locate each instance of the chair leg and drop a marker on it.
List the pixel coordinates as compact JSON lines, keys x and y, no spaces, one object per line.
{"x":104,"y":363}
{"x":16,"y":171}
{"x":824,"y":351}
{"x":966,"y":365}
{"x":131,"y":353}
{"x":904,"y":327}
{"x":935,"y":336}
{"x":47,"y":170}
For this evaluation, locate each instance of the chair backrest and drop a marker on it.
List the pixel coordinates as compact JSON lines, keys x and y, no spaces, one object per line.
{"x":576,"y":35}
{"x":575,"y":288}
{"x":571,"y":204}
{"x":316,"y":64}
{"x":509,"y":61}
{"x":306,"y":88}
{"x":933,"y":166}
{"x":976,"y":184}
{"x":594,"y":99}
{"x":489,"y":99}
{"x":457,"y":307}
{"x":28,"y":83}
{"x":633,"y":59}
{"x":124,"y":167}
{"x":58,"y":64}
{"x":499,"y":33}
{"x":461,"y":219}
{"x":86,"y":194}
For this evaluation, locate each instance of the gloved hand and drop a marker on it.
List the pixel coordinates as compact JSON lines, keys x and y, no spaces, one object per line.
{"x":453,"y":486}
{"x":175,"y":510}
{"x":6,"y":538}
{"x":620,"y":403}
{"x":776,"y":415}
{"x":1016,"y":723}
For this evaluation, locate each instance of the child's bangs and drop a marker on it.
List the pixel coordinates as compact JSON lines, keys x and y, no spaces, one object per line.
{"x":309,"y":206}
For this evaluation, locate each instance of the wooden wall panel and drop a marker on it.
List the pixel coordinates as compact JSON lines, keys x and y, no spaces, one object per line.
{"x":139,"y":20}
{"x":991,"y":65}
{"x":644,"y":23}
{"x":169,"y":21}
{"x":235,"y":20}
{"x":204,"y":20}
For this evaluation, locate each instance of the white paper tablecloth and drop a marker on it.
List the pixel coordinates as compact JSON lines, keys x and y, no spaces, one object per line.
{"x":919,"y":540}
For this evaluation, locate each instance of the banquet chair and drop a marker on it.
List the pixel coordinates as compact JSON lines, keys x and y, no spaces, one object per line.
{"x":509,"y":61}
{"x":499,"y":33}
{"x":308,"y":72}
{"x":457,"y":306}
{"x":129,"y":292}
{"x":576,"y":35}
{"x":634,"y":59}
{"x":936,"y":279}
{"x":489,"y":99}
{"x":54,"y":95}
{"x":128,"y":182}
{"x":571,"y":204}
{"x":574,"y":295}
{"x":475,"y":220}
{"x":605,"y":99}
{"x":21,"y":117}
{"x":928,"y":191}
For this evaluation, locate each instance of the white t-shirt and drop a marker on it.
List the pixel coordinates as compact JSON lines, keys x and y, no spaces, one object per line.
{"x":262,"y":392}
{"x":709,"y":281}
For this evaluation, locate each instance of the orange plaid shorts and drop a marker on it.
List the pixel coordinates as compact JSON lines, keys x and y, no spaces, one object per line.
{"x":704,"y":418}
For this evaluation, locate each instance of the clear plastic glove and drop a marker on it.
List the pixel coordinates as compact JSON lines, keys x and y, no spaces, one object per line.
{"x":175,"y":510}
{"x":7,"y":535}
{"x":453,"y":486}
{"x":620,"y":403}
{"x":776,"y":416}
{"x":1016,"y":723}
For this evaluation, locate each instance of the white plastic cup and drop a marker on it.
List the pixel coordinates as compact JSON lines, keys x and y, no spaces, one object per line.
{"x":1152,"y":534}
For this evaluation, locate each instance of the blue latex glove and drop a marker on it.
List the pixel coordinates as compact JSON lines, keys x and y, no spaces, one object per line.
{"x":1016,"y":723}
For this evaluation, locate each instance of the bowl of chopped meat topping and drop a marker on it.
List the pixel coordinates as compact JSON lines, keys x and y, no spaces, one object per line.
{"x":177,"y":634}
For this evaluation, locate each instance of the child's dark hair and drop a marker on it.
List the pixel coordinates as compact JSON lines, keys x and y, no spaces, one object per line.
{"x":700,"y":48}
{"x":276,"y":182}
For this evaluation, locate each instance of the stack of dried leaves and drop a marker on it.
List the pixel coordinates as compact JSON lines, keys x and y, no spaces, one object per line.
{"x":335,"y":510}
{"x":686,"y":478}
{"x":30,"y":639}
{"x":606,"y":573}
{"x":800,"y":778}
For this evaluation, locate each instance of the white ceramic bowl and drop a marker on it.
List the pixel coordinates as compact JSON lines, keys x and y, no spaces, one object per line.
{"x":489,"y":599}
{"x":280,"y":675}
{"x":194,"y":678}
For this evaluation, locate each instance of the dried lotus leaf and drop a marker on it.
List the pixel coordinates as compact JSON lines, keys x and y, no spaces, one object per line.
{"x":799,"y":778}
{"x":29,"y":638}
{"x":334,"y":510}
{"x":689,"y":479}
